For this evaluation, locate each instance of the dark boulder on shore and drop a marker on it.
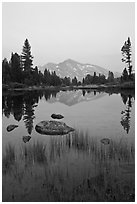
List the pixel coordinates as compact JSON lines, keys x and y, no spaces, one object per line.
{"x":57,"y":116}
{"x":11,"y":127}
{"x":53,"y":128}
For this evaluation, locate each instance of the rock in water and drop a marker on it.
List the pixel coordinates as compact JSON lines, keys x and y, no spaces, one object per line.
{"x":26,"y":138}
{"x":11,"y":127}
{"x":105,"y":141}
{"x":53,"y":128}
{"x":57,"y":116}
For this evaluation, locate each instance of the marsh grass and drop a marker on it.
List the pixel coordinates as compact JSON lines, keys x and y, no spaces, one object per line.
{"x":8,"y":159}
{"x":42,"y":173}
{"x":35,"y":153}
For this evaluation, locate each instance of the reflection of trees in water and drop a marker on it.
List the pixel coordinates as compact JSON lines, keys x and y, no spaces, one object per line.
{"x":29,"y":116}
{"x":30,"y":100}
{"x":19,"y":104}
{"x":83,"y":92}
{"x":94,"y":93}
{"x":88,"y":91}
{"x":13,"y":105}
{"x":125,"y":119}
{"x":48,"y":94}
{"x":23,"y":105}
{"x":6,"y":105}
{"x":17,"y":107}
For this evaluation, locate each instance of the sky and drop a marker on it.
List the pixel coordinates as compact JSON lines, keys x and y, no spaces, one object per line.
{"x":88,"y":32}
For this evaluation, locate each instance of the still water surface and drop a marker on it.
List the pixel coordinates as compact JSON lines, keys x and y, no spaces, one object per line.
{"x":73,"y":167}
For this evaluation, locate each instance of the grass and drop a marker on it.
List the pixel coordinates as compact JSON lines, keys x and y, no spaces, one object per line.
{"x":8,"y":159}
{"x":38,"y":172}
{"x":34,"y":153}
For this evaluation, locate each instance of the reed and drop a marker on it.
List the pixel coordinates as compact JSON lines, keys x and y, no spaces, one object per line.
{"x":44,"y":173}
{"x":8,"y":159}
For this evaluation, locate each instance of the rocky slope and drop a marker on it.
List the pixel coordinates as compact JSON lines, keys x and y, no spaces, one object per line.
{"x":71,"y":68}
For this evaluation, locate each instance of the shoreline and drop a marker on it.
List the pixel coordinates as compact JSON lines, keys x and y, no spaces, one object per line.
{"x":5,"y":88}
{"x":110,"y":89}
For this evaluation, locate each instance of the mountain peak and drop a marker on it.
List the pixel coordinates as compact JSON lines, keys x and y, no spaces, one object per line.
{"x":70,"y":61}
{"x":71,"y":68}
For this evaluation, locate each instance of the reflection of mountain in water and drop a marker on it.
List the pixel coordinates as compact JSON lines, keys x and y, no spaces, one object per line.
{"x":22,"y":105}
{"x":71,"y":98}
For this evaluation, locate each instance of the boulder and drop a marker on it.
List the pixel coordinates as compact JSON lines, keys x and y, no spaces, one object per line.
{"x":11,"y":127}
{"x":57,"y":116}
{"x":26,"y":138}
{"x":53,"y":128}
{"x":105,"y":141}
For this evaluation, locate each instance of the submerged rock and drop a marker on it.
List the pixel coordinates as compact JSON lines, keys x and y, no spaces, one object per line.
{"x":53,"y":128}
{"x":26,"y":138}
{"x":57,"y":116}
{"x":105,"y":141}
{"x":11,"y":127}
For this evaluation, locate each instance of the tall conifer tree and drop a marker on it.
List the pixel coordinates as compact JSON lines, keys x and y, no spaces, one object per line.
{"x":16,"y":71}
{"x":126,"y":52}
{"x":27,"y":59}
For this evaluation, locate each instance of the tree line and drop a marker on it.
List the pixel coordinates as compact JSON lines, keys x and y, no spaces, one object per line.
{"x":20,"y":70}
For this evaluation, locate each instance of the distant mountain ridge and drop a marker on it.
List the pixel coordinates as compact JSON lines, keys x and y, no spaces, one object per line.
{"x":71,"y":68}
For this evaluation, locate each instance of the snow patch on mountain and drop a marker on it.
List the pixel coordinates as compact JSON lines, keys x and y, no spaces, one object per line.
{"x":71,"y":68}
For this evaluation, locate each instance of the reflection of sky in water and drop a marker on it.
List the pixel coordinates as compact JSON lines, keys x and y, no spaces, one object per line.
{"x":67,"y":162}
{"x":98,"y":113}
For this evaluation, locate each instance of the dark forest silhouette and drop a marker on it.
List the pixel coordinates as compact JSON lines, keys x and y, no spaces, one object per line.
{"x":19,"y":71}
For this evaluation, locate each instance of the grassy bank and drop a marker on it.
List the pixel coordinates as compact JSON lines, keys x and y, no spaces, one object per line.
{"x":125,"y":85}
{"x":23,"y":87}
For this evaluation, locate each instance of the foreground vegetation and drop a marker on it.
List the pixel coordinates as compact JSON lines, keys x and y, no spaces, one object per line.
{"x":40,"y":173}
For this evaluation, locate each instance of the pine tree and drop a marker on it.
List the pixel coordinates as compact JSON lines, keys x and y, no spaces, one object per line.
{"x":110,"y":76}
{"x":125,"y":75}
{"x":27,"y":59}
{"x":16,"y":72}
{"x":36,"y":80}
{"x":74,"y":81}
{"x":94,"y":78}
{"x":66,"y":81}
{"x":126,"y":52}
{"x":83,"y":81}
{"x":6,"y":72}
{"x":47,"y":77}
